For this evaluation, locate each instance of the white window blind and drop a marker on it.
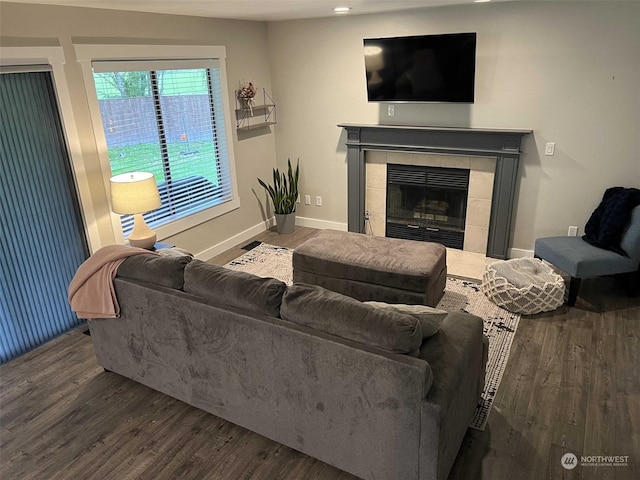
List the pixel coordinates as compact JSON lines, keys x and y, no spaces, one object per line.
{"x":167,"y":118}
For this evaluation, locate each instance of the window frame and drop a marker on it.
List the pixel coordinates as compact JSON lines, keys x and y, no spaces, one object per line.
{"x":88,"y":53}
{"x":33,"y":58}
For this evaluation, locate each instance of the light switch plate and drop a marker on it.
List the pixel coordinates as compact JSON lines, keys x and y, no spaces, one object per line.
{"x":550,"y":148}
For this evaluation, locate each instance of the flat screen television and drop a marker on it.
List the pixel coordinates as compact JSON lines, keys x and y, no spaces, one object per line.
{"x":425,"y":68}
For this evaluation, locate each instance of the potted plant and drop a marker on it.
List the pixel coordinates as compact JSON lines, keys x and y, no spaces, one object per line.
{"x":284,"y":195}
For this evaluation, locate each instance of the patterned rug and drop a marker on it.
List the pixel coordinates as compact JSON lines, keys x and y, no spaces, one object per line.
{"x":460,"y":296}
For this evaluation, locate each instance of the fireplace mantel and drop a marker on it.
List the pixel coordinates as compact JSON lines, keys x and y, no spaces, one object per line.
{"x":503,"y":144}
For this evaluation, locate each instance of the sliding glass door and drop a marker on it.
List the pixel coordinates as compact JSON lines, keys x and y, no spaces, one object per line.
{"x":42,"y":239}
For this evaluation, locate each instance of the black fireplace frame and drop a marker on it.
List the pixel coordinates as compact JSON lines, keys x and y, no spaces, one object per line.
{"x":502,"y":144}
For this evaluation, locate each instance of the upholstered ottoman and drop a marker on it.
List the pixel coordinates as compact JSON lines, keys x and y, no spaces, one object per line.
{"x":373,"y":268}
{"x":523,"y":285}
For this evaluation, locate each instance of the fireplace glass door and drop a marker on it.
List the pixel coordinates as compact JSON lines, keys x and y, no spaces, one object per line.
{"x":427,"y":203}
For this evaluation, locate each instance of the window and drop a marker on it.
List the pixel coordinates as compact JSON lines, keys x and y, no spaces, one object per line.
{"x":167,"y":117}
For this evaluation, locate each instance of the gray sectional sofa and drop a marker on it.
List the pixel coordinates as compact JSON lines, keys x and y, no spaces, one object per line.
{"x":377,"y":393}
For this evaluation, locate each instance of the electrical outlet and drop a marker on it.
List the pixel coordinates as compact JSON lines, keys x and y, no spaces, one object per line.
{"x":573,"y":231}
{"x":307,"y":199}
{"x":391,"y":110}
{"x":318,"y":201}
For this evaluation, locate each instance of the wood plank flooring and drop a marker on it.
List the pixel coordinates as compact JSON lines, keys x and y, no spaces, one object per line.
{"x":571,"y":385}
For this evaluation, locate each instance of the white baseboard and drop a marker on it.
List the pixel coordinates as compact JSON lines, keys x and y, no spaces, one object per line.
{"x":320,"y":224}
{"x":243,"y":236}
{"x":519,"y":253}
{"x":251,"y":232}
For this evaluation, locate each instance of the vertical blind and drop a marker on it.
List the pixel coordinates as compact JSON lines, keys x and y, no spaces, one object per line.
{"x":41,"y":233}
{"x":166,"y":117}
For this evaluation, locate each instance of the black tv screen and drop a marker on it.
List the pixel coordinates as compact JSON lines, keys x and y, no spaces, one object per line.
{"x":425,"y":68}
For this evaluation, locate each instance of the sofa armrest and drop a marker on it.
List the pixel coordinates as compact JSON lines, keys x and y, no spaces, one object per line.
{"x":457,"y":355}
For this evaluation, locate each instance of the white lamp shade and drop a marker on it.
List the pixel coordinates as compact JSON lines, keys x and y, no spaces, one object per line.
{"x":373,"y":58}
{"x":134,"y":192}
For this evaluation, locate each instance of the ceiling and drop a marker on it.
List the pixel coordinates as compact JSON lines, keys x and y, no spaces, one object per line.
{"x":262,"y":10}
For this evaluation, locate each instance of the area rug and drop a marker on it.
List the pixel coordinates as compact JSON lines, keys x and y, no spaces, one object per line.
{"x":460,"y":296}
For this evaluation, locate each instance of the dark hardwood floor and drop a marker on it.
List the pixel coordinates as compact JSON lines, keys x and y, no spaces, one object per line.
{"x":571,"y":386}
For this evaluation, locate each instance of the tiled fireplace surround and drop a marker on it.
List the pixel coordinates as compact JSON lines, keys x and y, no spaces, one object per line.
{"x":481,"y":173}
{"x":491,"y":155}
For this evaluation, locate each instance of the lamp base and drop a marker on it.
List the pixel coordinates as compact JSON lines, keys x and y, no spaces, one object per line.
{"x":141,"y":235}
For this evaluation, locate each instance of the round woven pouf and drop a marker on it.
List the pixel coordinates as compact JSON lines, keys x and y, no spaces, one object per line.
{"x":523,"y":285}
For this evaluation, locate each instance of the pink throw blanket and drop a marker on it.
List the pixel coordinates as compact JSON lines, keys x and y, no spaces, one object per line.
{"x":91,"y":291}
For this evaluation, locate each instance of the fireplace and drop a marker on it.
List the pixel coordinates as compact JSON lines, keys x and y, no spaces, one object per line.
{"x":474,"y":145}
{"x":427,"y":204}
{"x":436,"y":187}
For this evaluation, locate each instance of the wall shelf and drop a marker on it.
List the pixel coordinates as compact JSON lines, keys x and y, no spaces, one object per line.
{"x":259,"y":116}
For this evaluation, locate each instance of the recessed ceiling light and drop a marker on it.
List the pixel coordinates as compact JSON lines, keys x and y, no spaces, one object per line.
{"x":341,"y":10}
{"x":481,"y":1}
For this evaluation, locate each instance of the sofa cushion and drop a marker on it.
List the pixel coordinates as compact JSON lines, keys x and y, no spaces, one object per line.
{"x":430,"y":318}
{"x":351,"y":319}
{"x":233,"y":288}
{"x":167,"y":271}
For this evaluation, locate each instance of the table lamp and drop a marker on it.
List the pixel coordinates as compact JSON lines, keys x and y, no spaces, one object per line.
{"x":374,"y":62}
{"x":136,"y":193}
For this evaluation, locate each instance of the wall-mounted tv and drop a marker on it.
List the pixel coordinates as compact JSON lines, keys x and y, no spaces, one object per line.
{"x":425,"y":68}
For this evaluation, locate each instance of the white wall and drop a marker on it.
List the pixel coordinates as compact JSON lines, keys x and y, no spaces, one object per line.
{"x":567,"y":70}
{"x":247,"y":58}
{"x":570,"y":71}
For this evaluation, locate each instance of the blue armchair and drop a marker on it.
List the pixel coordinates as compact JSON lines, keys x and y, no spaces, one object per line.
{"x":580,"y":259}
